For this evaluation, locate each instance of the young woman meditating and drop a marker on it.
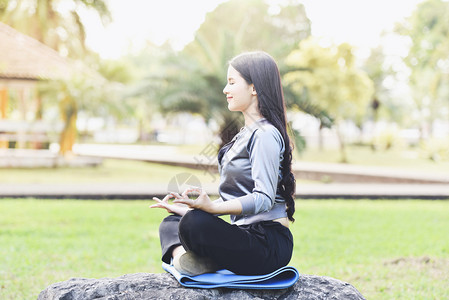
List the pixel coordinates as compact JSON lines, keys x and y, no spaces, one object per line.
{"x":256,"y":187}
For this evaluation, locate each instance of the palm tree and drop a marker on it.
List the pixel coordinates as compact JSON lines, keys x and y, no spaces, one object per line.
{"x":193,"y":80}
{"x":55,"y":23}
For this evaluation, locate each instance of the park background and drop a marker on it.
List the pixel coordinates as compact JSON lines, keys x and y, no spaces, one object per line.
{"x":122,"y":100}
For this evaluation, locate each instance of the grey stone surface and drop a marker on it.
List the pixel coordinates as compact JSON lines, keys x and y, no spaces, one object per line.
{"x":164,"y":286}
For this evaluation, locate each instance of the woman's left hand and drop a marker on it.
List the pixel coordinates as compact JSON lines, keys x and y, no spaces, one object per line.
{"x":203,"y":201}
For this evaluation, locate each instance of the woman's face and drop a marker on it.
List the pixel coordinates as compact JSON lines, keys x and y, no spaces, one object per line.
{"x":241,"y":96}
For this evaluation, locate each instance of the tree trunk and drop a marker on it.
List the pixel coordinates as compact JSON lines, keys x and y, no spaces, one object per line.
{"x":38,"y":117}
{"x":68,"y":134}
{"x":142,"y":137}
{"x":344,"y":158}
{"x":320,"y":137}
{"x":375,"y":107}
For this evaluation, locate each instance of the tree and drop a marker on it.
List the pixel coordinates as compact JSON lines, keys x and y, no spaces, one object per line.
{"x":193,"y":79}
{"x":153,"y":69}
{"x":375,"y":68}
{"x":55,"y":23}
{"x":428,"y":61}
{"x":333,"y":82}
{"x":252,"y":25}
{"x":80,"y":93}
{"x":382,"y":105}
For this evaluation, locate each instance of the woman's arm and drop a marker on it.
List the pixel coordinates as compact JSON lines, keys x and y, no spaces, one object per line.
{"x":265,"y":148}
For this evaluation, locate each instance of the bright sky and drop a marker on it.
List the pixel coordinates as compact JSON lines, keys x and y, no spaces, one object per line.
{"x":357,"y":22}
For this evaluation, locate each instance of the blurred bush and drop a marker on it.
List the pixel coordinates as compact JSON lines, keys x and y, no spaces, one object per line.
{"x":435,"y":149}
{"x":387,"y":139}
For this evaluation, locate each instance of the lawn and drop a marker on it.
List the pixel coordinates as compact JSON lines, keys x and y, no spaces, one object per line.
{"x":386,"y":249}
{"x":403,"y":158}
{"x":110,"y":171}
{"x":126,"y":171}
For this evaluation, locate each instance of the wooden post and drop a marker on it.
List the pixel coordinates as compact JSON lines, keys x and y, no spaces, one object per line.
{"x":37,"y":116}
{"x":3,"y":103}
{"x":21,"y":141}
{"x":3,"y":110}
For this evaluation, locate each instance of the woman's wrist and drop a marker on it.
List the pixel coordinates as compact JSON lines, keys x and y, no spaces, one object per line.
{"x":180,"y":210}
{"x":231,"y":207}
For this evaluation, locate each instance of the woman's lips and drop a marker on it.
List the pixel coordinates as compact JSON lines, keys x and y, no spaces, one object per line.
{"x":229,"y":98}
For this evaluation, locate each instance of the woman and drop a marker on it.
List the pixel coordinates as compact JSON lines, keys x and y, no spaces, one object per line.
{"x":256,"y":187}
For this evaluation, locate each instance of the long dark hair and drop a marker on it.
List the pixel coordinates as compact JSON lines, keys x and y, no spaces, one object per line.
{"x":260,"y":69}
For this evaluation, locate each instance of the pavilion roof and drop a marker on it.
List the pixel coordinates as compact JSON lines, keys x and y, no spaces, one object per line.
{"x":22,"y":57}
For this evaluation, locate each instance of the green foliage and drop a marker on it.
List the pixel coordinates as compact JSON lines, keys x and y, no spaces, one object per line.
{"x":386,"y":249}
{"x":435,"y":149}
{"x":252,"y":26}
{"x":387,"y":139}
{"x":56,"y":26}
{"x":146,"y":78}
{"x":193,"y":79}
{"x":304,"y":102}
{"x":299,"y":141}
{"x":3,"y":6}
{"x":81,"y":92}
{"x":84,"y":89}
{"x":117,"y":70}
{"x":383,"y":105}
{"x":333,"y":82}
{"x":428,"y":32}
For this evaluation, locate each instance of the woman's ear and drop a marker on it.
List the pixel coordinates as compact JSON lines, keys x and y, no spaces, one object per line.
{"x":254,"y":93}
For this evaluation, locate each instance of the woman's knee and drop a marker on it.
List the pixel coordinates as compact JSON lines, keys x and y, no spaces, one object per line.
{"x":169,"y":223}
{"x":193,"y":225}
{"x":194,"y":220}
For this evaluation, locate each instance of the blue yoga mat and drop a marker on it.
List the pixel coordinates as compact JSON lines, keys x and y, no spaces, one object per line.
{"x":280,"y":279}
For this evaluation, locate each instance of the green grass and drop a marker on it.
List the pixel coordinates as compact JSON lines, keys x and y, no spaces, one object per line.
{"x":111,"y":171}
{"x":379,"y":246}
{"x":386,"y":249}
{"x":403,"y":158}
{"x":410,"y":159}
{"x":126,"y":171}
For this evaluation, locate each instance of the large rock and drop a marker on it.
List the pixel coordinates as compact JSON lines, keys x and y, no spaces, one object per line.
{"x":164,"y":286}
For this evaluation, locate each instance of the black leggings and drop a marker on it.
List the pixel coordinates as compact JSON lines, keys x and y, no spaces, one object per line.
{"x":254,"y":249}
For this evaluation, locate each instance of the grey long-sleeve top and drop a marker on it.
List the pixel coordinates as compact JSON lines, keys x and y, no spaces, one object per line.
{"x":250,"y":171}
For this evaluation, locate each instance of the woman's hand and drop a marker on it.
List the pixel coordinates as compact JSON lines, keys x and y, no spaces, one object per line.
{"x":171,"y":208}
{"x":203,"y":201}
